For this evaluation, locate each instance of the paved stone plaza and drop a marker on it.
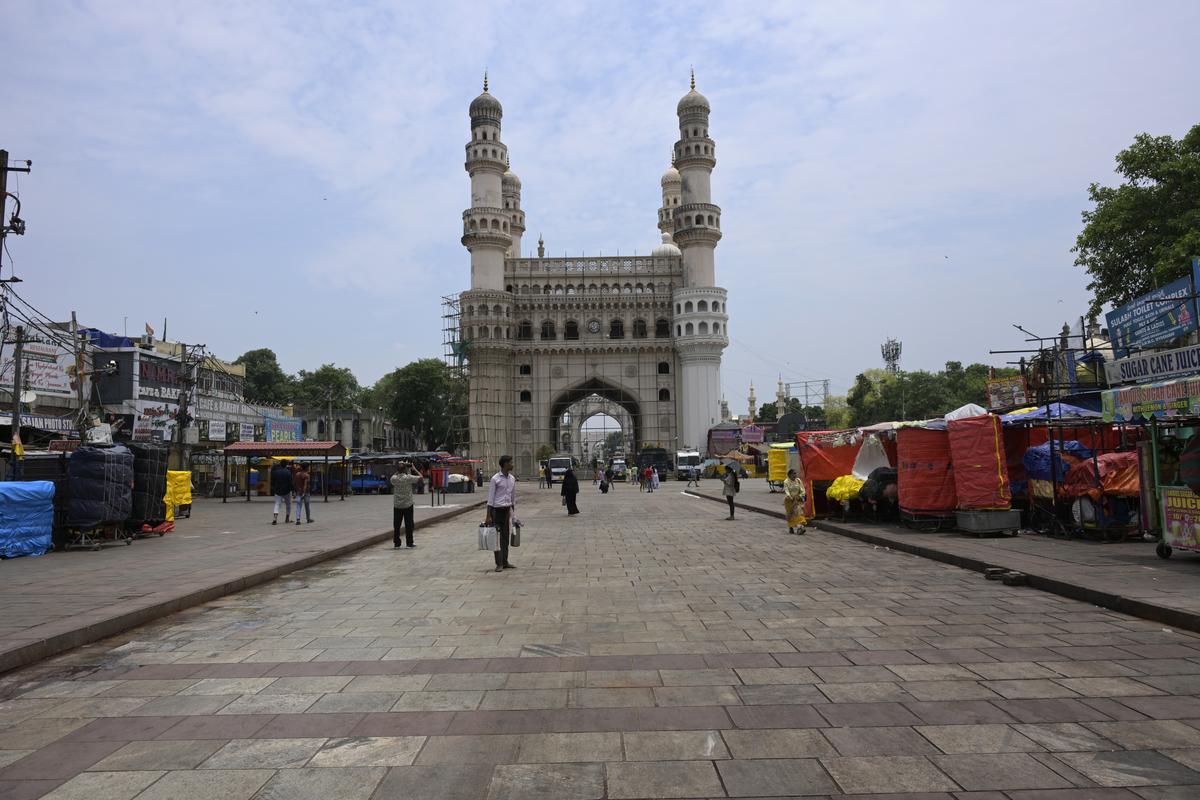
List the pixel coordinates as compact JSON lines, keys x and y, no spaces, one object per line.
{"x":646,"y":649}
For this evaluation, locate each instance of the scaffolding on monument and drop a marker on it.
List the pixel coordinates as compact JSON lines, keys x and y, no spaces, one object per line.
{"x":455,"y":351}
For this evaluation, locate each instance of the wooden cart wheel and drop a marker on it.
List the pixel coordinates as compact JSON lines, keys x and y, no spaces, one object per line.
{"x":1163,"y":550}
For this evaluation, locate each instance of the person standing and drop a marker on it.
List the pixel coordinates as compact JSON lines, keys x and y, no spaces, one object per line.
{"x":608,"y":477}
{"x":549,"y":476}
{"x":793,"y":502}
{"x":281,"y":487}
{"x":402,"y":503}
{"x":570,"y":490}
{"x":654,"y":478}
{"x":501,"y":505}
{"x":300,"y":483}
{"x":732,"y":486}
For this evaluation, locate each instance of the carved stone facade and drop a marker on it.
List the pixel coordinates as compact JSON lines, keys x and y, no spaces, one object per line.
{"x":553,"y":340}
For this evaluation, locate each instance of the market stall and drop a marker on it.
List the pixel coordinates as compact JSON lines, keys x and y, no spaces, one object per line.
{"x":925,"y":477}
{"x":1170,"y":411}
{"x":307,"y":450}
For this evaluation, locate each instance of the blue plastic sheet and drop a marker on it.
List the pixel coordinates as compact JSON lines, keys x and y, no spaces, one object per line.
{"x":1037,"y":459}
{"x":26,"y":517}
{"x":1056,"y":411}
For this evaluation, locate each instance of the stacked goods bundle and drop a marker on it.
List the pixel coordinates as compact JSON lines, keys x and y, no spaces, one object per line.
{"x":1115,"y":474}
{"x":149,"y":483}
{"x":101,"y":486}
{"x":51,"y":467}
{"x":844,"y":489}
{"x":1045,"y":468}
{"x":26,"y":518}
{"x":926,"y":474}
{"x":980,"y":465}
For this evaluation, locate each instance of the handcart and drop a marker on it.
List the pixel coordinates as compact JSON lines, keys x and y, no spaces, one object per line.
{"x":1104,"y":492}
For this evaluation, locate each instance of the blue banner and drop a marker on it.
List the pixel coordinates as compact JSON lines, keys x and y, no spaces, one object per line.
{"x":1156,"y":318}
{"x":276,"y":429}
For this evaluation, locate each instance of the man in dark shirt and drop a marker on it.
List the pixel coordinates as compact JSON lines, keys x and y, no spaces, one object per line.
{"x":281,"y":487}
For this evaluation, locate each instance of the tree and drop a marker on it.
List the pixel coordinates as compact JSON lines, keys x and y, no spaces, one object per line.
{"x":426,"y":399}
{"x":1142,"y":233}
{"x":767,"y":413}
{"x":879,"y":396}
{"x":266,"y":382}
{"x":328,"y":384}
{"x":543,"y":452}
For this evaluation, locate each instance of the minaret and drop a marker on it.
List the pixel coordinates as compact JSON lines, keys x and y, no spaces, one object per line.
{"x":780,"y":400}
{"x":724,"y":410}
{"x":541,"y":247}
{"x":491,"y":226}
{"x":701,"y":313}
{"x":510,"y":189}
{"x":486,"y":224}
{"x":672,"y":186}
{"x":753,"y":401}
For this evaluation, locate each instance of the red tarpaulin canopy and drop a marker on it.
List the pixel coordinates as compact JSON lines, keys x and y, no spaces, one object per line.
{"x":1118,"y":475}
{"x":925,"y":476}
{"x":822,"y":460}
{"x":980,"y":469}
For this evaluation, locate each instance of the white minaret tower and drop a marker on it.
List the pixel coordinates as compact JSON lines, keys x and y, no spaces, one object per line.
{"x":752,"y":401}
{"x":672,"y":188}
{"x":487,"y":225}
{"x":700,"y":310}
{"x":510,"y":190}
{"x":780,"y":400}
{"x":491,"y":226}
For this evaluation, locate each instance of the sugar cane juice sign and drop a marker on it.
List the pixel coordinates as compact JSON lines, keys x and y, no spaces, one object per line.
{"x":1170,"y":399}
{"x":1157,"y":366}
{"x":1181,"y":517}
{"x":1156,"y":318}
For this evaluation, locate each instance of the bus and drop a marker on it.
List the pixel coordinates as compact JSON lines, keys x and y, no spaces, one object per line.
{"x":559,"y":465}
{"x":687,"y":465}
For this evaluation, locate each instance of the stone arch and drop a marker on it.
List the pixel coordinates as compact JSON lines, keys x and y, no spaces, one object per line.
{"x":604,"y":389}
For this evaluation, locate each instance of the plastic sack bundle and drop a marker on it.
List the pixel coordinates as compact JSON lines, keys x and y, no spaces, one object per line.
{"x":101,"y":486}
{"x":844,"y":489}
{"x":149,"y":482}
{"x":26,"y":518}
{"x":871,"y":456}
{"x":179,"y":491}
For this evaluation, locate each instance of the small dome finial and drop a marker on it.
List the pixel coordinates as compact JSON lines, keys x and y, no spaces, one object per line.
{"x":485,"y":80}
{"x":693,"y":80}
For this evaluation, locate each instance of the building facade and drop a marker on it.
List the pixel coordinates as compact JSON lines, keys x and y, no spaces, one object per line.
{"x":551,"y":340}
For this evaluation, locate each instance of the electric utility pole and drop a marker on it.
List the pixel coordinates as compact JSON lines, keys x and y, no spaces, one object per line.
{"x":18,"y":352}
{"x":15,"y":224}
{"x":80,"y":373}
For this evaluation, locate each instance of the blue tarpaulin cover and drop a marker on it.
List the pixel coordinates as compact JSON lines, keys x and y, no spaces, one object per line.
{"x":26,"y":517}
{"x":1037,"y":459}
{"x":1057,"y":411}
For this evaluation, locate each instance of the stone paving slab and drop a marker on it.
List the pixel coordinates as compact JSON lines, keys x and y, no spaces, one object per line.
{"x":67,"y":599}
{"x":1124,"y":576}
{"x":653,"y":651}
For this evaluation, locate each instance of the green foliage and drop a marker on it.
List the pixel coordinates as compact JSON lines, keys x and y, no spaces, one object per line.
{"x":328,"y":384}
{"x":543,"y":452}
{"x":1143,"y":233}
{"x":425,"y":398}
{"x":266,"y":381}
{"x":613,"y":442}
{"x":878,"y":396}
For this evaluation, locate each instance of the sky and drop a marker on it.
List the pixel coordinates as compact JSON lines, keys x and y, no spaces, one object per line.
{"x":289,"y":174}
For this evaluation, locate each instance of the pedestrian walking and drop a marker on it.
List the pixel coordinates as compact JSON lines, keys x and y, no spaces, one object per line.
{"x":501,"y":506}
{"x":549,"y":476}
{"x":608,"y":477}
{"x":654,"y":478}
{"x":281,"y":488}
{"x":403,"y":481}
{"x":794,"y":498}
{"x":595,"y":476}
{"x":300,"y":489}
{"x":693,"y":477}
{"x":732,"y":486}
{"x":570,"y":491}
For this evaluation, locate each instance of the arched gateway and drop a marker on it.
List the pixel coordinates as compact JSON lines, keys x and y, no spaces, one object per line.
{"x":544,"y":334}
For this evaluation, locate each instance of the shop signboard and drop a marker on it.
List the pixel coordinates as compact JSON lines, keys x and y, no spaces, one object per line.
{"x":278,"y":429}
{"x":154,"y":421}
{"x":62,"y":445}
{"x":722,"y":441}
{"x":51,"y":424}
{"x":1178,"y":398}
{"x":1180,"y":517}
{"x":44,"y":369}
{"x":246,"y":432}
{"x":1157,"y":366}
{"x":752,"y":434}
{"x":1158,"y":317}
{"x":1007,"y":392}
{"x":215,"y":430}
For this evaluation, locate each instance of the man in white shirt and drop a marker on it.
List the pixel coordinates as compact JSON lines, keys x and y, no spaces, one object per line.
{"x":501,"y":504}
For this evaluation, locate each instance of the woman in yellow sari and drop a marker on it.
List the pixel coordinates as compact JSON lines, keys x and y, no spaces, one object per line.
{"x":793,"y":502}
